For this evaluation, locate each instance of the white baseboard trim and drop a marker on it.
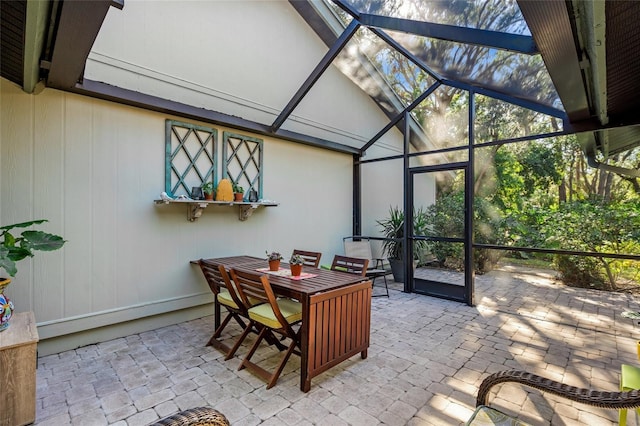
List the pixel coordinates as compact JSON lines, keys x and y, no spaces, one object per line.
{"x":70,"y":333}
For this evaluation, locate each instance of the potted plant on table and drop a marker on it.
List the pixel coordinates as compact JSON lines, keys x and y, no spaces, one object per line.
{"x":15,"y":248}
{"x":238,"y":192}
{"x":274,"y":259}
{"x":207,"y":189}
{"x":393,"y":230}
{"x":295,"y":263}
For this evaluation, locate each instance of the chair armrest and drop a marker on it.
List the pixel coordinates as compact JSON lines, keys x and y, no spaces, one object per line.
{"x":378,"y":261}
{"x":195,"y":416}
{"x":602,"y":399}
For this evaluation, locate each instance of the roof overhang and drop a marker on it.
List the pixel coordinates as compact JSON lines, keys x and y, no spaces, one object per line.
{"x":592,"y":52}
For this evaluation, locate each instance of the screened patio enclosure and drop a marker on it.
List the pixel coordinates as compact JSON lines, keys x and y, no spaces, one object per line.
{"x":449,"y":79}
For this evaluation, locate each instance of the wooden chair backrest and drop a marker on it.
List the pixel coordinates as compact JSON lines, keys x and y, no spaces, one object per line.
{"x":311,"y":258}
{"x":353,"y":265}
{"x":257,"y":286}
{"x":217,"y":277}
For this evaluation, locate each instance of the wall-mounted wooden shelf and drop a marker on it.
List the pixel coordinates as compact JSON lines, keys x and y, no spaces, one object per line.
{"x":195,"y":207}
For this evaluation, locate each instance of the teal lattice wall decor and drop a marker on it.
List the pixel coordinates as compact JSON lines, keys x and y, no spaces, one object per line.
{"x":190,"y":157}
{"x":242,"y":161}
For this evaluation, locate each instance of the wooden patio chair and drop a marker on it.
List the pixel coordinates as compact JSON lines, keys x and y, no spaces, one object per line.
{"x":225,"y":295}
{"x":276,"y":315}
{"x":352,"y":265}
{"x":485,"y":415}
{"x":358,"y":246}
{"x":311,"y":258}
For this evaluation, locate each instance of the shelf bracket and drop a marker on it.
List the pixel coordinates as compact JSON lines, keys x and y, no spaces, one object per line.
{"x":194,"y":211}
{"x":246,"y":210}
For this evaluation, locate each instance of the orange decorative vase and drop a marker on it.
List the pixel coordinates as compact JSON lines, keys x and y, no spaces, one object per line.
{"x":296,"y":270}
{"x":274,"y":265}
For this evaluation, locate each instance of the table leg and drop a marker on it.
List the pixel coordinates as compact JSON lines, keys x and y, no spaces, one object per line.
{"x":305,"y":380}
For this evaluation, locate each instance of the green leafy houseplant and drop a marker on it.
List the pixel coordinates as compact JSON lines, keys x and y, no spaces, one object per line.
{"x":238,"y":189}
{"x":274,"y":255}
{"x":15,"y":248}
{"x":295,"y":264}
{"x":207,"y":188}
{"x":393,"y":231}
{"x":296,"y":259}
{"x":274,"y":259}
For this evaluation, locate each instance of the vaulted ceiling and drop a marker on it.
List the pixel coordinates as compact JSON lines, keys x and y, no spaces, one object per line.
{"x":591,"y":50}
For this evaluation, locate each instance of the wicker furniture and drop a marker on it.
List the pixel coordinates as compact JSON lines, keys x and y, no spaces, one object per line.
{"x":200,"y":416}
{"x":602,"y":399}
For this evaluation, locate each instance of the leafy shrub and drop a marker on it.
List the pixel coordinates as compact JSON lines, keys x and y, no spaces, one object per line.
{"x":446,"y":218}
{"x":580,"y":271}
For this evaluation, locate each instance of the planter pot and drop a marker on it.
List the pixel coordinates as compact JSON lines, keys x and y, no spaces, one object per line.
{"x":274,"y":265}
{"x":296,"y":270}
{"x":208,"y":197}
{"x":397,"y":269}
{"x":238,"y":196}
{"x":6,"y":306}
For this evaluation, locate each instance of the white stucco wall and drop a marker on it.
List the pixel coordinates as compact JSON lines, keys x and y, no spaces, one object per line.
{"x":93,"y":169}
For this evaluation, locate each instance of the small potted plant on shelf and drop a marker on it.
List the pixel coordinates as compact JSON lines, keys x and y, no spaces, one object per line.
{"x":274,"y":259}
{"x":207,"y":189}
{"x":295,"y":262}
{"x":238,"y":192}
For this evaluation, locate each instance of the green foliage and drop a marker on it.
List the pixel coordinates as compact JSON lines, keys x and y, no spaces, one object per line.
{"x":541,"y":166}
{"x":510,"y":183}
{"x":274,"y":255}
{"x":580,"y":271}
{"x":446,"y":218}
{"x":296,"y":259}
{"x":393,"y":230}
{"x":207,"y":188}
{"x":593,"y":226}
{"x":16,"y":248}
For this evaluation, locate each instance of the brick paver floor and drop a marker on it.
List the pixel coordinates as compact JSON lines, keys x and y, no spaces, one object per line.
{"x":426,"y":361}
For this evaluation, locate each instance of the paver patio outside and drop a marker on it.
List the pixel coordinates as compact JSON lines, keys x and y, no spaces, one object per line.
{"x":427,"y":358}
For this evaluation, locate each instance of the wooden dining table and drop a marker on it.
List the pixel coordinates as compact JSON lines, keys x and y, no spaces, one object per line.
{"x":336,"y":312}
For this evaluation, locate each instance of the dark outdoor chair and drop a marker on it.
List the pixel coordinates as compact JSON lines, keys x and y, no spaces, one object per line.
{"x":273,"y":314}
{"x":311,"y":258}
{"x":485,"y":415}
{"x":353,"y":265}
{"x":358,"y":246}
{"x":225,"y":295}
